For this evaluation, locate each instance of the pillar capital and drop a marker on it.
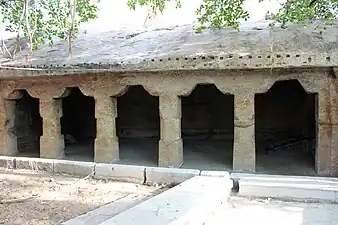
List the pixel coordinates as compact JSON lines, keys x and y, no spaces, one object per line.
{"x":46,"y":92}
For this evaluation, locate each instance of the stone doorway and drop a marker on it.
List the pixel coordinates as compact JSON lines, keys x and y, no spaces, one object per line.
{"x":286,"y":130}
{"x":208,"y":128}
{"x":27,"y":124}
{"x":138,"y":126}
{"x":78,"y":125}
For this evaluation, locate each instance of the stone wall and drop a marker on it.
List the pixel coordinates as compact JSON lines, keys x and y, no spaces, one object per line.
{"x":169,"y":86}
{"x":206,"y":113}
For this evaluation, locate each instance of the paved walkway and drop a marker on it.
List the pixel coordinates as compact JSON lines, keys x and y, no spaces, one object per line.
{"x":266,"y":212}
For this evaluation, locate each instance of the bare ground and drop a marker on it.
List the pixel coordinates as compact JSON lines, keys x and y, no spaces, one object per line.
{"x":34,"y":198}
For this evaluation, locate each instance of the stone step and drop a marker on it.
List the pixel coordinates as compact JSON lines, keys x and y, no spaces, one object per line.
{"x":191,"y":202}
{"x":287,"y":187}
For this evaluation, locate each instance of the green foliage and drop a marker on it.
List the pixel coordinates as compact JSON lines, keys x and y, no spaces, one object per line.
{"x":156,"y":5}
{"x":216,"y":14}
{"x":46,"y":19}
{"x":41,"y":20}
{"x":304,"y":10}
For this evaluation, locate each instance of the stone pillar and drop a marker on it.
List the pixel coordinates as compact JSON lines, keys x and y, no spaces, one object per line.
{"x":334,"y":121}
{"x":324,"y":135}
{"x":334,"y":151}
{"x":244,"y":155}
{"x":52,"y":141}
{"x":106,"y":142}
{"x":10,"y":147}
{"x":170,"y":144}
{"x":2,"y":126}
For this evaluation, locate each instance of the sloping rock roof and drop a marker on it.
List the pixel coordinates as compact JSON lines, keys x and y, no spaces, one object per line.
{"x":254,"y":46}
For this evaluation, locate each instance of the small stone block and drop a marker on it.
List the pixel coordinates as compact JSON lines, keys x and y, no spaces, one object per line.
{"x":7,"y":162}
{"x":210,"y":173}
{"x":74,"y":167}
{"x":129,"y":173}
{"x":35,"y":164}
{"x":163,"y":175}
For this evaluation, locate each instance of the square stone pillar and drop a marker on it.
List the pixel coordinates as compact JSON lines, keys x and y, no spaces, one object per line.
{"x":106,"y":142}
{"x":52,"y":141}
{"x":170,"y":144}
{"x":9,"y":145}
{"x":334,"y":151}
{"x":244,"y":153}
{"x":324,"y":134}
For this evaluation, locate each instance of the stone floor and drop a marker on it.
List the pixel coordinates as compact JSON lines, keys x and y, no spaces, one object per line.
{"x":198,"y":154}
{"x":247,"y":211}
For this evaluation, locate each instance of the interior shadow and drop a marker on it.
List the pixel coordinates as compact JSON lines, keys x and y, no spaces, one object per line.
{"x":286,"y":129}
{"x":138,"y":125}
{"x":208,"y":128}
{"x":78,"y":125}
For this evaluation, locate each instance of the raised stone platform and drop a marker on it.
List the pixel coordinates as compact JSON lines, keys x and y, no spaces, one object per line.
{"x":192,"y":202}
{"x":197,"y":191}
{"x":258,"y":185}
{"x":287,"y":187}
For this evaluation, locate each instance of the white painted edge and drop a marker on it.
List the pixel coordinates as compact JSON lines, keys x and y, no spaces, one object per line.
{"x":127,"y":172}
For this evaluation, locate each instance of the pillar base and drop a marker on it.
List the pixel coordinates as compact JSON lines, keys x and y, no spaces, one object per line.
{"x":10,"y":145}
{"x":244,"y":157}
{"x":323,"y":151}
{"x":52,"y":148}
{"x":334,"y":151}
{"x":170,"y":153}
{"x":106,"y":150}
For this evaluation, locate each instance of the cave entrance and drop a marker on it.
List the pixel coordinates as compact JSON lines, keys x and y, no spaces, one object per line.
{"x":286,"y":129}
{"x":208,"y":128}
{"x":27,"y":125}
{"x":78,"y":125}
{"x":138,"y":127}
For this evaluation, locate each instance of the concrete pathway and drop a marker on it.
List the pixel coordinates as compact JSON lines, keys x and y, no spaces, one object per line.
{"x":247,"y":211}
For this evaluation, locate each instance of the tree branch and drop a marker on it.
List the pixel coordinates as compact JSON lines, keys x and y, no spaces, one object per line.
{"x":70,"y":35}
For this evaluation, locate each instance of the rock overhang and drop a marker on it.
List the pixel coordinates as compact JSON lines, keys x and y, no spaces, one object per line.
{"x":255,"y":46}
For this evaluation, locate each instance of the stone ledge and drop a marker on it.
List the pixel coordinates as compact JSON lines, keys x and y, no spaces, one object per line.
{"x":301,"y":192}
{"x":284,"y":178}
{"x":287,"y":187}
{"x":8,"y":162}
{"x":129,"y":173}
{"x":161,"y":175}
{"x":37,"y":164}
{"x":182,"y":63}
{"x":191,"y":202}
{"x":74,"y":167}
